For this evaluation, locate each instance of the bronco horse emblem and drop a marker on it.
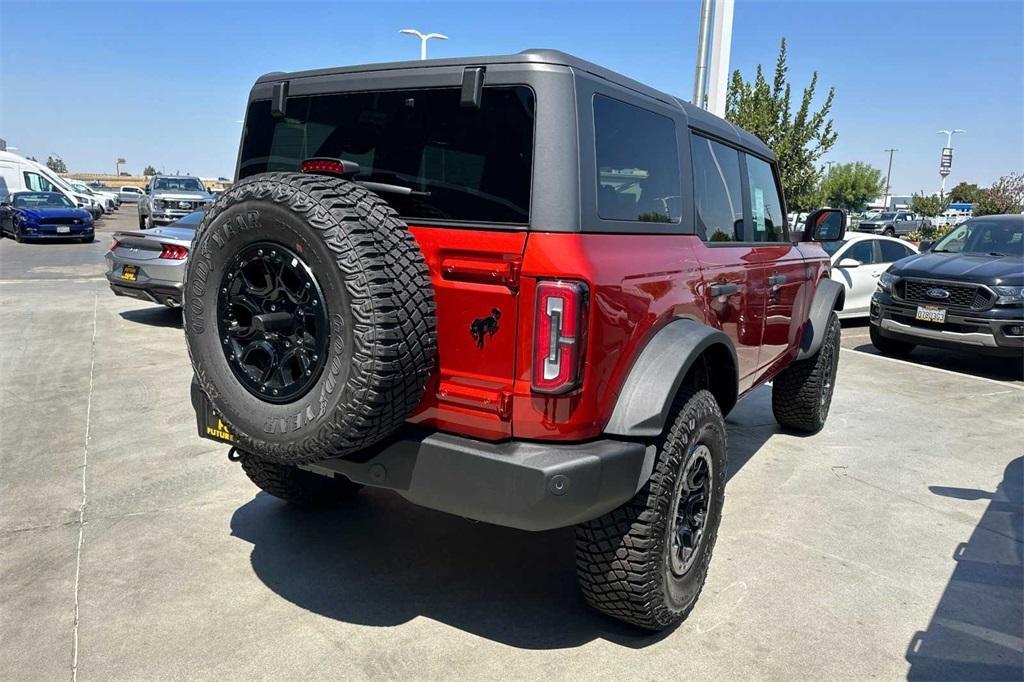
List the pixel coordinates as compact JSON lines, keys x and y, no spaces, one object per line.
{"x":485,"y":325}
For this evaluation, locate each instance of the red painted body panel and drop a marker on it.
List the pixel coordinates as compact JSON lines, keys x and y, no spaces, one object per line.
{"x":637,"y":284}
{"x":474,"y":272}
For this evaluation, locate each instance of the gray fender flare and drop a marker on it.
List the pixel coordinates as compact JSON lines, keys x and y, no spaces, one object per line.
{"x":643,"y":404}
{"x":825,"y":298}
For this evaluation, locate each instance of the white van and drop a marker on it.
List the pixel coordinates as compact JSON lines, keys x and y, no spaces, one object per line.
{"x":18,"y":174}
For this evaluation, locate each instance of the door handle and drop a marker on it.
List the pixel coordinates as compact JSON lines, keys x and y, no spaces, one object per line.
{"x":776,"y":280}
{"x":725,"y":289}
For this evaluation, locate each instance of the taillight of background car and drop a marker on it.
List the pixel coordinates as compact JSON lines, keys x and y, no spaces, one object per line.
{"x":558,"y":336}
{"x":174,"y":252}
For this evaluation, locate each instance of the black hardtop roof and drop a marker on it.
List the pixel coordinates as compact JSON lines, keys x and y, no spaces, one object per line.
{"x":699,"y":118}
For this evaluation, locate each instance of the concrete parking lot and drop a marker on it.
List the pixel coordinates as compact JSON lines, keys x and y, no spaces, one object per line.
{"x":888,"y":545}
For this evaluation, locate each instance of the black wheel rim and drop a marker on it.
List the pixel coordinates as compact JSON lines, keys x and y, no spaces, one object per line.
{"x":693,"y":504}
{"x":828,"y":373}
{"x":272,"y":322}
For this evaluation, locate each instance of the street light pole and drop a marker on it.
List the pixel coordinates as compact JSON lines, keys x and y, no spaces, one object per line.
{"x":700,"y":77}
{"x":888,"y":176}
{"x":424,"y":37}
{"x":945,"y":169}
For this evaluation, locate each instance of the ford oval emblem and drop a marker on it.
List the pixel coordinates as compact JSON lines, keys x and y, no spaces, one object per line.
{"x":937,"y":293}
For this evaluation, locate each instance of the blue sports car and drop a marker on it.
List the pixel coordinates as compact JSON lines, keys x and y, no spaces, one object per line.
{"x":44,"y":215}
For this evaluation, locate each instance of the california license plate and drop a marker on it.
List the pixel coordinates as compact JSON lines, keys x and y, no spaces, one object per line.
{"x":930,"y":313}
{"x":129,"y":272}
{"x":63,"y":229}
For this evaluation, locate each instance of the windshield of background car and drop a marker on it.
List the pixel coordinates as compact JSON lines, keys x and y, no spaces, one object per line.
{"x":832,"y":246}
{"x":987,"y":237}
{"x":42,"y":200}
{"x":178,"y":185}
{"x":885,"y":216}
{"x":462,"y":164}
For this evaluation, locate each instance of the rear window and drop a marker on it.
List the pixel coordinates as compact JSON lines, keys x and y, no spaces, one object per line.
{"x":462,"y":164}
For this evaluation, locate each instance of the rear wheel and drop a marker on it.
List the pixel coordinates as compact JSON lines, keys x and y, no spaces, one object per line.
{"x":142,"y":222}
{"x":802,"y":393}
{"x":889,"y":346}
{"x":297,"y":486}
{"x":645,"y":562}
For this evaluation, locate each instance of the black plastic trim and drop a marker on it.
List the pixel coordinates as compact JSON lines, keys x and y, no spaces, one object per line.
{"x":642,"y":407}
{"x":825,"y":301}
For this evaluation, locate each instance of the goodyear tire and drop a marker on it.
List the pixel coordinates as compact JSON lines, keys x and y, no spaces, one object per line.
{"x":309,"y":316}
{"x":296,"y":486}
{"x":646,"y":562}
{"x":802,"y":393}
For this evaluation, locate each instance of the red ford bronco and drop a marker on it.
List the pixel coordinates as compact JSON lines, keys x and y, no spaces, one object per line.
{"x":520,"y":289}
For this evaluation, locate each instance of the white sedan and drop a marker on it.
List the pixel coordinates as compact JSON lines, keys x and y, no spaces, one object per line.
{"x":858,"y":261}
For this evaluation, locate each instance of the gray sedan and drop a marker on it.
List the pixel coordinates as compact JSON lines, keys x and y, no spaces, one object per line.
{"x":149,"y":265}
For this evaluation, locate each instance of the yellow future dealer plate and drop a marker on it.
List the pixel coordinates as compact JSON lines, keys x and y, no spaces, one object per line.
{"x":129,"y":272}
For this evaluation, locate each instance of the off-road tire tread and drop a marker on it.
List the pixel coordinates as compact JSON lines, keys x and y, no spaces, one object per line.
{"x":296,"y":486}
{"x":618,"y":555}
{"x":796,"y":391}
{"x":387,"y":282}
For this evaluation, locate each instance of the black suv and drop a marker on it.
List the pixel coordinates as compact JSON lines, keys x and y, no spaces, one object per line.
{"x":966,"y":291}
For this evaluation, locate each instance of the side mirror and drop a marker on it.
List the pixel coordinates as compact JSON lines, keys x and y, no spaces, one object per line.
{"x":849,"y":263}
{"x":925,"y":245}
{"x":825,"y":225}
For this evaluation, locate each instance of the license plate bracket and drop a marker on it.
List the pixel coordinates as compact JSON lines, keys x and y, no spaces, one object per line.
{"x":931,"y":313}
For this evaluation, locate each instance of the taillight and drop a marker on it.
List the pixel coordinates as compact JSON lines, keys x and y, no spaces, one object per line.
{"x":114,"y":244}
{"x":558,"y":336}
{"x":326,"y":166}
{"x":174,"y":252}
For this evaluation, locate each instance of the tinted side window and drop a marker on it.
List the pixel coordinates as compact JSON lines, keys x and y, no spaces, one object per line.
{"x":891,"y":251}
{"x":717,"y":190}
{"x":765,"y":205}
{"x":864,"y":251}
{"x":637,"y":163}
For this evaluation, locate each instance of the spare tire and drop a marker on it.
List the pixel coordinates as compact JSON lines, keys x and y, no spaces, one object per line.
{"x":309,"y":316}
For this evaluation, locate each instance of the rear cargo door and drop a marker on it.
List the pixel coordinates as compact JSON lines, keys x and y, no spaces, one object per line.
{"x":460,"y":175}
{"x":476,"y":281}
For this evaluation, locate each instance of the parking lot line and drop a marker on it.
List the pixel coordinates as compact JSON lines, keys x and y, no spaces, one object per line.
{"x":85,"y":464}
{"x":902,"y":363}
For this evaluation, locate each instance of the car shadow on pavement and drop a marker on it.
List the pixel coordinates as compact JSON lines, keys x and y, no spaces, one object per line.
{"x":962,"y":362}
{"x":977,"y":630}
{"x":155,"y":316}
{"x":383,"y":562}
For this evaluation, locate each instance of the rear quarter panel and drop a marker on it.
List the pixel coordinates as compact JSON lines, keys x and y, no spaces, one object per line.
{"x":638,"y":283}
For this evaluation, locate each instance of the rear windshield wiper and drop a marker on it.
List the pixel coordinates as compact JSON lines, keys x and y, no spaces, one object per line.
{"x":391,"y":189}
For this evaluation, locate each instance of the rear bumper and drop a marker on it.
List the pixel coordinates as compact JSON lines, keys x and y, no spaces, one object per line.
{"x":527,"y":485}
{"x":154,"y":291}
{"x":982,"y":332}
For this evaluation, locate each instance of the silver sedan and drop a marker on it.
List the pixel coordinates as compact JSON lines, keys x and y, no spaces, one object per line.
{"x":150,"y":264}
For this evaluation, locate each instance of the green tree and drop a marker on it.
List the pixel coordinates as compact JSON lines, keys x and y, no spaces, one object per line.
{"x":56,"y":164}
{"x":851,"y":185}
{"x":1006,"y":195}
{"x":798,"y":139}
{"x":149,"y":170}
{"x":929,"y":206}
{"x":964,"y":193}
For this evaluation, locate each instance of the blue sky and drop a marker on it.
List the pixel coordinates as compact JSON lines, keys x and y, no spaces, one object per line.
{"x":164,"y":83}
